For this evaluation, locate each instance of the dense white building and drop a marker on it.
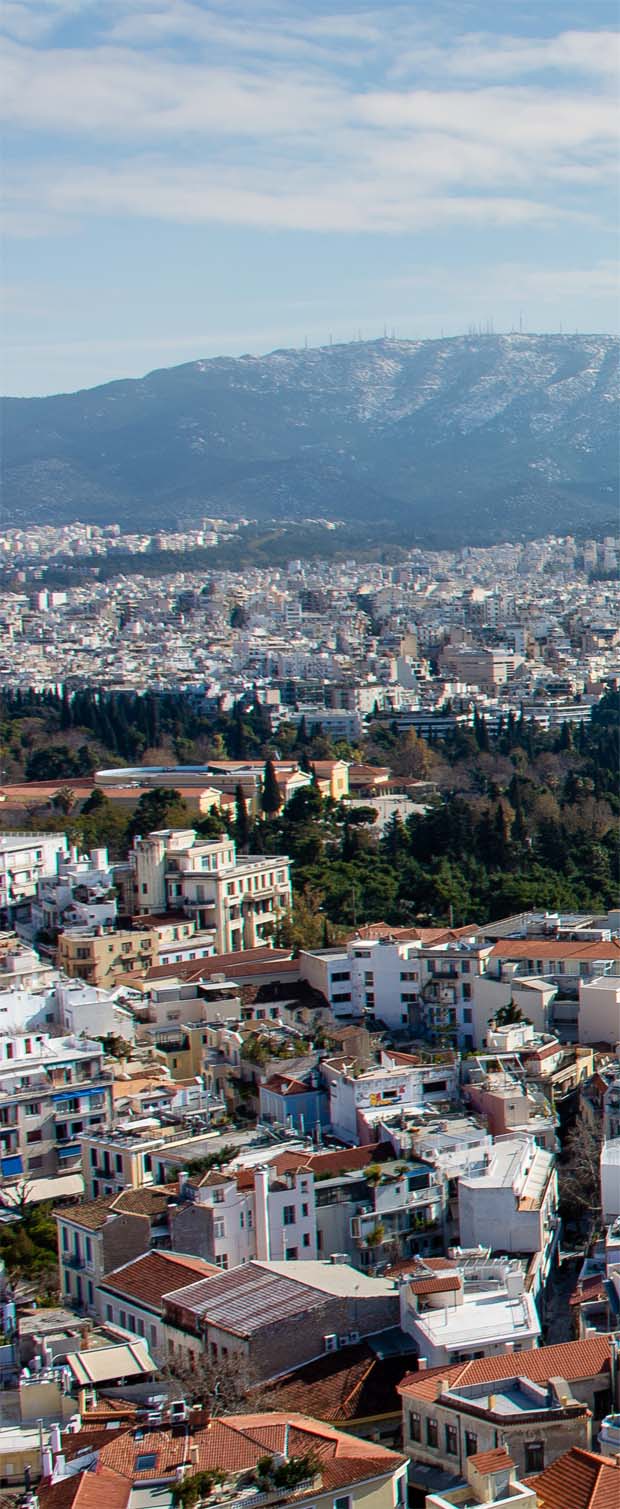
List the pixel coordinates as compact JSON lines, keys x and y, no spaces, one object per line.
{"x":24,"y":859}
{"x":241,"y":898}
{"x":472,"y":1306}
{"x":359,"y":1097}
{"x":610,"y":1180}
{"x":511,"y":1204}
{"x":52,"y":1090}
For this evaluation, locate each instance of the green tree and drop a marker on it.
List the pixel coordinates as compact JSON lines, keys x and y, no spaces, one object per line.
{"x":242,"y":821}
{"x":271,"y":799}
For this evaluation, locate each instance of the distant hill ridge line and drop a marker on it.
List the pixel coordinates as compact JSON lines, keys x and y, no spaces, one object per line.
{"x":480,"y":435}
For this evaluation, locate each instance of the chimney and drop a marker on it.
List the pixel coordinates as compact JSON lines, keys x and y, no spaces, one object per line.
{"x":492,"y":1401}
{"x":85,"y":1337}
{"x":422,"y":1364}
{"x":193,"y":1454}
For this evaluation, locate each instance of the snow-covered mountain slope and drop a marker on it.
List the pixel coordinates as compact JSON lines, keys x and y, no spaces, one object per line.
{"x":478,"y":437}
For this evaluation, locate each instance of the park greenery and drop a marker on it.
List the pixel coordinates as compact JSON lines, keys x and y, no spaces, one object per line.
{"x":521,"y":817}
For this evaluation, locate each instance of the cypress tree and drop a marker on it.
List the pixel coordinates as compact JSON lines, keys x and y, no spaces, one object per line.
{"x":242,"y":821}
{"x":271,"y":800}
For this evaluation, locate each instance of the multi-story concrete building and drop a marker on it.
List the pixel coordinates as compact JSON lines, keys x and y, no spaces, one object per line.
{"x":511,"y":1204}
{"x":359,"y":1094}
{"x":102,"y":957}
{"x":418,"y":982}
{"x":24,"y":859}
{"x":53,"y":1089}
{"x":81,"y":894}
{"x":472,"y":1305}
{"x":536,"y":1402}
{"x":230,"y":1218}
{"x":241,"y":899}
{"x":96,"y":1236}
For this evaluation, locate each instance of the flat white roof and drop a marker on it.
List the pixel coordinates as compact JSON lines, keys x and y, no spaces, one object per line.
{"x":489,"y":1317}
{"x":333,"y":1278}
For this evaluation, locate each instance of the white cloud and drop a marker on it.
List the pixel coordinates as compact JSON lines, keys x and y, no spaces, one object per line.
{"x":264,"y":123}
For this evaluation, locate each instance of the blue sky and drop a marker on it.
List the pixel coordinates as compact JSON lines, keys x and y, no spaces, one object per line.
{"x":190,"y":177}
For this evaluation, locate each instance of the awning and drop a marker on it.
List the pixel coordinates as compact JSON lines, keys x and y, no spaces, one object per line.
{"x":13,"y":1165}
{"x":77,"y":1093}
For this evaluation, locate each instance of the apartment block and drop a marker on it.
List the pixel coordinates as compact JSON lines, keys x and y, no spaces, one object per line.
{"x":96,"y":1236}
{"x":512,"y":1203}
{"x":469,"y":1305}
{"x":53,"y":1089}
{"x":537,"y":1403}
{"x":103,"y":957}
{"x":24,"y":859}
{"x":241,"y":899}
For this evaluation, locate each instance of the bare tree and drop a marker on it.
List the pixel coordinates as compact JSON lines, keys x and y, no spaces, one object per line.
{"x":579,"y":1174}
{"x":222,"y":1384}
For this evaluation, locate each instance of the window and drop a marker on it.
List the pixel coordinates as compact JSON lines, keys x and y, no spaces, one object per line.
{"x":288,"y":1215}
{"x":34,"y":1136}
{"x":344,"y":1502}
{"x":467,"y":1014}
{"x":432,"y":1433}
{"x":415,"y":1428}
{"x":467,"y":992}
{"x":219,"y":1228}
{"x":109,"y":1313}
{"x":534,"y":1456}
{"x":465,"y":967}
{"x":471,"y":1443}
{"x":33,"y":1108}
{"x":451,"y":1440}
{"x":291,"y":1254}
{"x":145,"y":1460}
{"x":305,"y":1241}
{"x":304,"y":1209}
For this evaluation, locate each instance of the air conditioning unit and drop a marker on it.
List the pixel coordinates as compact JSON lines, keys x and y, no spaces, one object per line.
{"x":330,"y":1343}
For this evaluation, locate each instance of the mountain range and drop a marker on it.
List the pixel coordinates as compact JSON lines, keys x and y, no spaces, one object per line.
{"x":468,"y":439}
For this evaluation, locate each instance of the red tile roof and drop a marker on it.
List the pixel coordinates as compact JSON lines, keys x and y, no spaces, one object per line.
{"x":579,"y":1480}
{"x":571,"y":1360}
{"x":342,"y":1160}
{"x":545,"y":948}
{"x":442,"y":1284}
{"x":235,"y":1442}
{"x":492,"y":1461}
{"x":101,"y":1488}
{"x":343,"y":1386}
{"x":148,"y":1278}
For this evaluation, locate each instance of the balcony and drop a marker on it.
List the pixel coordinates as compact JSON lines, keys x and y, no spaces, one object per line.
{"x":73,"y":1260}
{"x":609,"y":1435}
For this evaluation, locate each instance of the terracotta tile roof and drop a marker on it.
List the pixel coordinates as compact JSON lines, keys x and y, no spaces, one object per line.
{"x":545,"y":948}
{"x":100,"y":1488}
{"x":343,"y":1386}
{"x":578,"y":1480}
{"x":151,"y":1201}
{"x":148,"y":1278}
{"x":445,"y":1284}
{"x":492,"y":1461}
{"x":236,"y":1442}
{"x":419,"y":1266}
{"x":571,"y":1360}
{"x":280,"y":1084}
{"x":247,"y":961}
{"x":92,"y":1214}
{"x":341,"y":1160}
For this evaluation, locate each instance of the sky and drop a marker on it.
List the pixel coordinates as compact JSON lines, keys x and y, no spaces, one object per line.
{"x":189,"y":178}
